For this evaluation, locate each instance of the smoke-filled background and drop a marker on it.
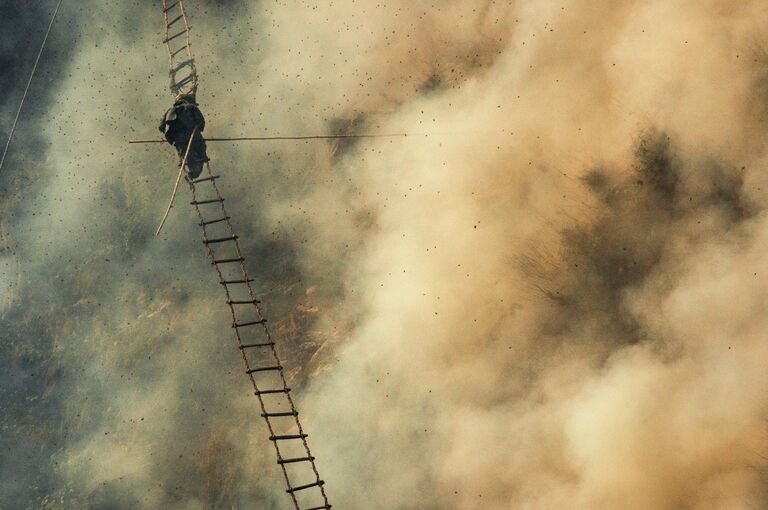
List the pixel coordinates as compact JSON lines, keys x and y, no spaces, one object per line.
{"x":551,"y":295}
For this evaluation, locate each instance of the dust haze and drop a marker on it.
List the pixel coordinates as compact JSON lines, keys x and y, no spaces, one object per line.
{"x":551,"y":294}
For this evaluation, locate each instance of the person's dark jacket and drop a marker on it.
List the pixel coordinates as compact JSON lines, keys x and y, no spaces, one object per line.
{"x":178,"y":124}
{"x":179,"y":121}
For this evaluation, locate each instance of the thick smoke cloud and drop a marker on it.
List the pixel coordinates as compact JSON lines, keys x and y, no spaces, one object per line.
{"x":548,"y":295}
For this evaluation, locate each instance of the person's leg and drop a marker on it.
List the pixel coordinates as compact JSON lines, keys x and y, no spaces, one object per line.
{"x":180,"y":150}
{"x":194,"y":168}
{"x":199,"y":148}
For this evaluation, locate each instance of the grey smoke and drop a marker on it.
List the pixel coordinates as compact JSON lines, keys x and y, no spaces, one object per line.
{"x":553,"y":300}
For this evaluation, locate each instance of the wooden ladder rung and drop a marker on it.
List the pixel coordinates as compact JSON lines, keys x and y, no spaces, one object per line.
{"x":318,"y":483}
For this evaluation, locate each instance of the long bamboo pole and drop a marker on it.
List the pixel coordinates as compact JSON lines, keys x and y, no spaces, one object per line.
{"x":178,"y":179}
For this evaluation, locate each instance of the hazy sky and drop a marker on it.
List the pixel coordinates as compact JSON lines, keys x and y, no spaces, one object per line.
{"x":550,"y":295}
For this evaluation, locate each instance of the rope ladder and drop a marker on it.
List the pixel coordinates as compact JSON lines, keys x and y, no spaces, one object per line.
{"x":256,"y":345}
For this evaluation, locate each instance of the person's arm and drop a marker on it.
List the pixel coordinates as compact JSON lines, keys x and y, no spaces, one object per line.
{"x":165,"y":119}
{"x":199,"y":119}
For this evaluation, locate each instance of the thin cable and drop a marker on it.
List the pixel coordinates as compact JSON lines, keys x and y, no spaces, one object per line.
{"x":31,"y":76}
{"x":268,"y":138}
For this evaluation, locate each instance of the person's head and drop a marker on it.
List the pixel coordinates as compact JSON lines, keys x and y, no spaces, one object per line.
{"x":186,"y":96}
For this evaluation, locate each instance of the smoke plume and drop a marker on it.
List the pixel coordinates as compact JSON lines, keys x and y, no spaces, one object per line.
{"x":550,"y":294}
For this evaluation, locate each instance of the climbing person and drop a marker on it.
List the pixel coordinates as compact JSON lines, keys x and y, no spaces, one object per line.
{"x":179,"y":123}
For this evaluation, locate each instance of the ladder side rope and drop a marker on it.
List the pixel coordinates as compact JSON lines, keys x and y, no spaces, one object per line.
{"x":26,"y":89}
{"x":269,"y":343}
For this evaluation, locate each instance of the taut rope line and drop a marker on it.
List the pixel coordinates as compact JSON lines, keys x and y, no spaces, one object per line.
{"x":32,"y":75}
